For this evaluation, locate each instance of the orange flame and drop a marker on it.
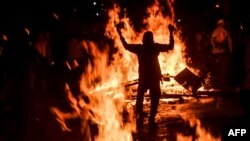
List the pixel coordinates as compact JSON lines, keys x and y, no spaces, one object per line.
{"x":171,"y":62}
{"x":106,"y":96}
{"x":102,"y":82}
{"x":200,"y":133}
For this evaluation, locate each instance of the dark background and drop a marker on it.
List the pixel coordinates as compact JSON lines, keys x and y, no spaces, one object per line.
{"x":23,"y":91}
{"x":39,"y":14}
{"x":86,"y":19}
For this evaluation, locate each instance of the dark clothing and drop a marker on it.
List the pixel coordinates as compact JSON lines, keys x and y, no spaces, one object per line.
{"x":149,"y":74}
{"x":149,"y":67}
{"x":219,"y":67}
{"x":155,"y":94}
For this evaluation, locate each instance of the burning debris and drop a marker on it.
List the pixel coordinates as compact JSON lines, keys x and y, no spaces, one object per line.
{"x":101,"y":94}
{"x":109,"y":86}
{"x":100,"y":112}
{"x":189,"y":80}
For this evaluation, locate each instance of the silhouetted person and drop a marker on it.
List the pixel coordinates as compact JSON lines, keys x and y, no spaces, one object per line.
{"x":25,"y":92}
{"x":149,"y":71}
{"x":220,"y":39}
{"x":221,"y":49}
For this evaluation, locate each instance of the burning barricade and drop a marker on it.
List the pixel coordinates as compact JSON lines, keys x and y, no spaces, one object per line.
{"x":109,"y":86}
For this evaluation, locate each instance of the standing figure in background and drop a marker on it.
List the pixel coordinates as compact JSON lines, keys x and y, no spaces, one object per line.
{"x":244,"y":65}
{"x":77,"y":60}
{"x":149,"y":71}
{"x":220,"y":55}
{"x":200,"y":52}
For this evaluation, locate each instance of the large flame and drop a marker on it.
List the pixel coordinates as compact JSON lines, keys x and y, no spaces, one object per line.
{"x":102,"y":82}
{"x":171,"y":62}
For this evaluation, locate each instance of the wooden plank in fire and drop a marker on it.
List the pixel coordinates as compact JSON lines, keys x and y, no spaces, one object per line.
{"x":131,"y":83}
{"x":210,"y":93}
{"x":165,"y":77}
{"x":175,"y":95}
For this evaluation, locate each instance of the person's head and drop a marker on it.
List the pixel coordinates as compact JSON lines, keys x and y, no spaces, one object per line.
{"x":148,"y":38}
{"x":220,"y":23}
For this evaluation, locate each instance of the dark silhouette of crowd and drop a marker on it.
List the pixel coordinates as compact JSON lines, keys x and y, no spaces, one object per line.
{"x":36,"y":62}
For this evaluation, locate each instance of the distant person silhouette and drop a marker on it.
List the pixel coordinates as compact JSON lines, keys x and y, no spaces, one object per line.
{"x":221,"y":39}
{"x":149,"y":71}
{"x":222,"y":48}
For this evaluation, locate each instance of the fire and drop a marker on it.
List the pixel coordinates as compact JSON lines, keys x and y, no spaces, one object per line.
{"x":171,"y":62}
{"x":201,"y":134}
{"x":103,"y":82}
{"x":107,"y":99}
{"x":106,"y":108}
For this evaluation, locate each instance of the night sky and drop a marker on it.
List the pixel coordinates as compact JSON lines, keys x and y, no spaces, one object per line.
{"x":84,"y":19}
{"x":38,"y":15}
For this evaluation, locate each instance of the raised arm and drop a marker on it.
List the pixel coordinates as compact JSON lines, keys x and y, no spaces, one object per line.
{"x":170,"y":46}
{"x":130,"y":47}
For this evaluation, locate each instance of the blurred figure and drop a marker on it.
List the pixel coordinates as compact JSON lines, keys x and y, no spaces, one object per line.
{"x":41,"y":44}
{"x":221,"y":49}
{"x":200,"y":52}
{"x":75,"y":52}
{"x":221,"y":40}
{"x":244,"y":56}
{"x":25,"y":93}
{"x":77,"y":60}
{"x":149,"y":71}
